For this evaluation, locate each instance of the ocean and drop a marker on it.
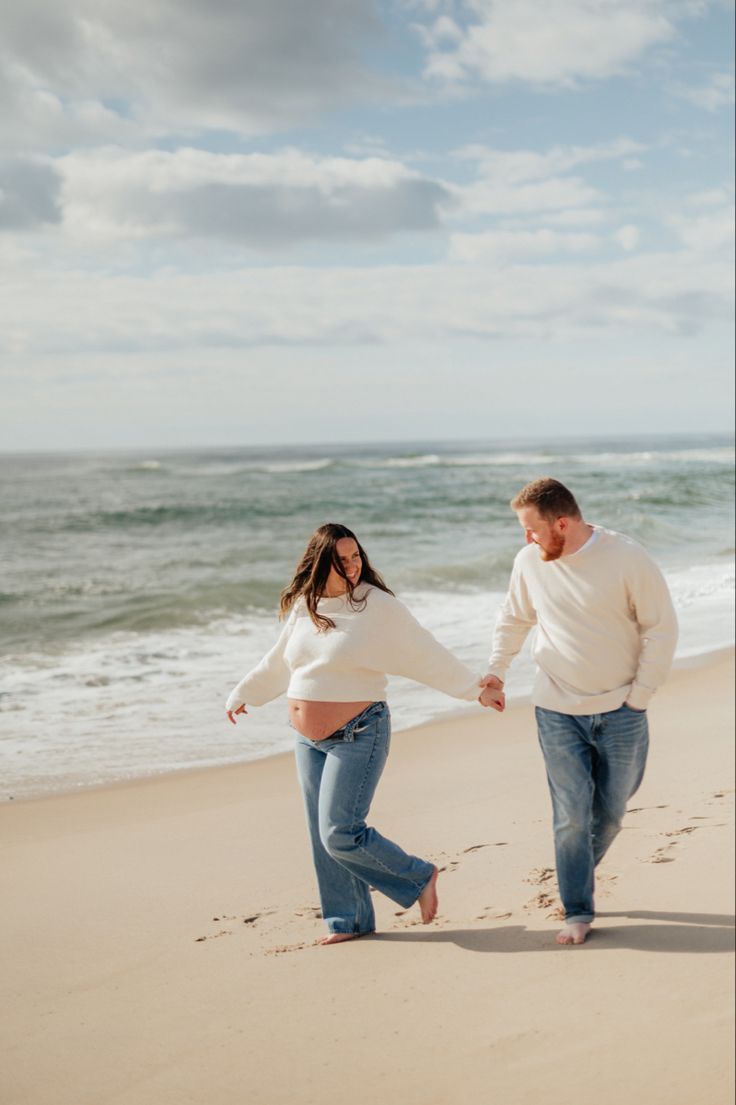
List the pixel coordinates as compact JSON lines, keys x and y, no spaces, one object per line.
{"x":137,"y":589}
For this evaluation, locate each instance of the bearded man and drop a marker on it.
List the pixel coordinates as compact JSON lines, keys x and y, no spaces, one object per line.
{"x":605,"y":635}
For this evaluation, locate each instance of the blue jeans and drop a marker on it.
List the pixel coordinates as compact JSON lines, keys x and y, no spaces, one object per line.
{"x":595,"y":762}
{"x":338,"y":777}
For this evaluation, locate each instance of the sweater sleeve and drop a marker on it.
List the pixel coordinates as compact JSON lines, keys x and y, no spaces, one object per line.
{"x":516,"y":617}
{"x":408,"y":649}
{"x":655,"y":615}
{"x":268,"y":679}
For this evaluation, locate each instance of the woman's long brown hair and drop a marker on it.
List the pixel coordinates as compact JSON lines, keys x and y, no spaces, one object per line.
{"x":310,"y":578}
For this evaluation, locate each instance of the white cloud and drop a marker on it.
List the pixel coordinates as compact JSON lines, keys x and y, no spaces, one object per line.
{"x":627,"y":237}
{"x":487,"y":198}
{"x":262,"y":200}
{"x":508,"y":245}
{"x":711,"y":197}
{"x":671,"y":293}
{"x":515,"y":166}
{"x":559,"y":42}
{"x":576,"y":216}
{"x":510,"y":181}
{"x":719,"y":91}
{"x":710,"y":232}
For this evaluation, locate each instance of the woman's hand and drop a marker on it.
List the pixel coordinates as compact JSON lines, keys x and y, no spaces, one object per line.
{"x":491,"y":696}
{"x":232,"y":713}
{"x":492,"y":693}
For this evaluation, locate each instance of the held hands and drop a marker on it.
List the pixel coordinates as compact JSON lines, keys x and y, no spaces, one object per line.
{"x":232,"y":713}
{"x":492,"y":693}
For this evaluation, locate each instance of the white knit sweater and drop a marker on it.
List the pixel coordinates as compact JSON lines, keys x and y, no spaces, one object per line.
{"x":350,"y":662}
{"x":605,"y":625}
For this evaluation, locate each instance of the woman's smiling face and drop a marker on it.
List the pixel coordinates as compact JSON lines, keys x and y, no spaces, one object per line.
{"x":348,"y":554}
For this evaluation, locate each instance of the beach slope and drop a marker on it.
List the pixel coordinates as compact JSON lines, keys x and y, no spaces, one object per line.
{"x":157,"y":937}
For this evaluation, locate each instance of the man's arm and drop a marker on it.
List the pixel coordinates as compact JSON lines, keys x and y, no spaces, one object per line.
{"x":516,"y":617}
{"x":655,"y":615}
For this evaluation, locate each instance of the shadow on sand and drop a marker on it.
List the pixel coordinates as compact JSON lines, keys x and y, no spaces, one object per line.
{"x":669,"y":932}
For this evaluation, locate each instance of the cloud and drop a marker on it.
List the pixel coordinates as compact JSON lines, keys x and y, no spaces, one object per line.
{"x":675,"y":292}
{"x":710,"y":232}
{"x":29,"y":194}
{"x":510,"y":245}
{"x":627,"y":237}
{"x":560,"y":43}
{"x":719,"y":91}
{"x":515,"y":166}
{"x":274,"y":200}
{"x":576,"y":216}
{"x":526,"y":181}
{"x":186,"y":66}
{"x":261,"y":200}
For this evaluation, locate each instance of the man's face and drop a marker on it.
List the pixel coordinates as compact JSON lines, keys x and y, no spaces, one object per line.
{"x":548,"y":535}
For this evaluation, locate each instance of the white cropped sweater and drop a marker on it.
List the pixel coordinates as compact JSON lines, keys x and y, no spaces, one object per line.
{"x":350,"y":662}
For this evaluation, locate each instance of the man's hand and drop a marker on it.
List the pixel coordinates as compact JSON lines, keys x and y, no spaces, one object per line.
{"x":231,"y":713}
{"x":492,"y":693}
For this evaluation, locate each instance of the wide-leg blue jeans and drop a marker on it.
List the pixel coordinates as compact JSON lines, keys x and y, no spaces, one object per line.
{"x":595,"y":763}
{"x":338,"y":777}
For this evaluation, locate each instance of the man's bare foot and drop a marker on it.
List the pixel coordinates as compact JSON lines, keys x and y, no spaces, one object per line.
{"x":574,"y":933}
{"x":428,"y":900}
{"x":338,"y":937}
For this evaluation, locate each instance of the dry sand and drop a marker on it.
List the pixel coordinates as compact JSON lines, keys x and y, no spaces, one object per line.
{"x":157,"y":937}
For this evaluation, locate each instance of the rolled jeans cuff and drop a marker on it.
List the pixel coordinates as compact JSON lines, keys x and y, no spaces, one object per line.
{"x":580,"y":919}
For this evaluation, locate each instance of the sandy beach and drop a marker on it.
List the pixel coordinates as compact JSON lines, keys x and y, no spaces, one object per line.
{"x":158,"y":937}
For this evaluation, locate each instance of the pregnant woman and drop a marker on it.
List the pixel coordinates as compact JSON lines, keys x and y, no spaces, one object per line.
{"x":344,"y":632}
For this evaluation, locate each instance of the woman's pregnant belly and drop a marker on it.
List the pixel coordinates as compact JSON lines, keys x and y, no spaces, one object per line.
{"x":317,"y":720}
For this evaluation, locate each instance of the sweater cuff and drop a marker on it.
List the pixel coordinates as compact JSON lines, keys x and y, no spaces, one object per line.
{"x":498,"y":669}
{"x":233,"y":701}
{"x":638,"y":697}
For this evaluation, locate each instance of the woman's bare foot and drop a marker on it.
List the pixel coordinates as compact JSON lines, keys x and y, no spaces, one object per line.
{"x":338,"y":937}
{"x":574,"y":933}
{"x":428,"y":900}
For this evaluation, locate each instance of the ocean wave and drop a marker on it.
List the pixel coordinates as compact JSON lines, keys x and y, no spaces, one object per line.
{"x":137,"y":468}
{"x":520,"y":459}
{"x":693,"y":585}
{"x":501,"y":460}
{"x":721,"y":455}
{"x":97,"y":710}
{"x":419,"y":460}
{"x":134,"y":517}
{"x":277,"y":467}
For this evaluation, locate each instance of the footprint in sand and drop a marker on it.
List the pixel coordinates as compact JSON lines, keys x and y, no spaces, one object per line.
{"x":282,"y":949}
{"x":214,"y":936}
{"x":450,"y":864}
{"x":660,"y":856}
{"x":477,"y":847}
{"x":247,"y":919}
{"x":540,"y":875}
{"x":489,"y":914}
{"x":542,"y":900}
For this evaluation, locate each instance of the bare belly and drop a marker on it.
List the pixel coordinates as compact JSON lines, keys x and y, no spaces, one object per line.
{"x":317,"y":720}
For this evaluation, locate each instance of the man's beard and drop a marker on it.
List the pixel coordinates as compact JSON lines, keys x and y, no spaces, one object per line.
{"x":555,"y":548}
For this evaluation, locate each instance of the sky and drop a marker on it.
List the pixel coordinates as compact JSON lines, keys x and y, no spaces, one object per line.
{"x":243,"y":222}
